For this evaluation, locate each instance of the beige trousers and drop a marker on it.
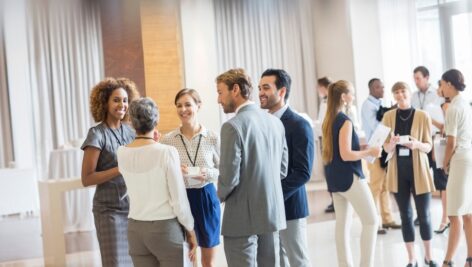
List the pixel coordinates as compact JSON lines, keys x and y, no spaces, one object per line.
{"x":378,"y":187}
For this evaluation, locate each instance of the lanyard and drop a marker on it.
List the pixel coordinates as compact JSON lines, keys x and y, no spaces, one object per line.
{"x":194,"y":161}
{"x":120,"y":142}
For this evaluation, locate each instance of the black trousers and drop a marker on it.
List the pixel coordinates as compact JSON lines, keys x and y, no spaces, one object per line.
{"x":406,"y":189}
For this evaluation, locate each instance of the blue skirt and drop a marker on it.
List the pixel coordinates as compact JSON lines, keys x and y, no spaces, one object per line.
{"x":206,"y":212}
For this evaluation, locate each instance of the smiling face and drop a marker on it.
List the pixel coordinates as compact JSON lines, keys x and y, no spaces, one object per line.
{"x":187,"y":108}
{"x":117,"y":104}
{"x":226,"y":97}
{"x":269,"y":96}
{"x":403,"y":97}
{"x":377,"y":90}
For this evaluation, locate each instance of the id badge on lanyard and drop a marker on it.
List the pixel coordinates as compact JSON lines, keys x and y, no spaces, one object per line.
{"x":404,"y":152}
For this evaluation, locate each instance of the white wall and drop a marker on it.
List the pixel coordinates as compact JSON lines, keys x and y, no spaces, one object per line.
{"x":367,"y":47}
{"x":333,"y":41}
{"x":18,"y":82}
{"x":199,"y":45}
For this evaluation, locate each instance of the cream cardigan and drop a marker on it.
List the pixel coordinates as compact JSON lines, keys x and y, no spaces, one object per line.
{"x":421,"y":130}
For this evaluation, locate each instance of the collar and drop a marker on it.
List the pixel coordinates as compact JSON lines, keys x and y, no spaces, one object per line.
{"x":203,"y":131}
{"x":281,"y":111}
{"x":456,"y":99}
{"x":429,"y":91}
{"x":248,"y":102}
{"x":377,"y":101}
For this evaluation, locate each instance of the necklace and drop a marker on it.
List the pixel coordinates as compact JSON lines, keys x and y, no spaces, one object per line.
{"x":120,"y":131}
{"x":144,"y":137}
{"x":408,"y":117}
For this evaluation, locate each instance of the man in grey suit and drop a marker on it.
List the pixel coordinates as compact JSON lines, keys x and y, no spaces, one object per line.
{"x":253,"y":159}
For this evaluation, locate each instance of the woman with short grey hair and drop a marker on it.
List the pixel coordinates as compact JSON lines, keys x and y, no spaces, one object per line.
{"x":158,"y":201}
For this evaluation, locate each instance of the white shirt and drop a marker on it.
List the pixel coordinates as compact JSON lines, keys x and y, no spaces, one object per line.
{"x":208,"y":152}
{"x":459,"y":122}
{"x":155,"y":185}
{"x":281,"y":111}
{"x":420,"y":100}
{"x":369,"y":115}
{"x":322,"y":109}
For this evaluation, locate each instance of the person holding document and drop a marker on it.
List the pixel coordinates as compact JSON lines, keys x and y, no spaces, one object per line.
{"x":342,"y":157}
{"x":408,"y":170}
{"x":199,"y":151}
{"x":458,"y":161}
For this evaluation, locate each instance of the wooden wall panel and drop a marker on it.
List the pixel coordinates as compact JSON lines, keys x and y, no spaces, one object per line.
{"x":163,"y":60}
{"x":122,"y":42}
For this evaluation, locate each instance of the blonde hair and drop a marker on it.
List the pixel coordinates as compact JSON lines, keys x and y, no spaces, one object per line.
{"x":335,"y":91}
{"x":239,"y":77}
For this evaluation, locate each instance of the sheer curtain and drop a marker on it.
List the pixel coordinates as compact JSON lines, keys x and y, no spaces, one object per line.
{"x":66,"y":60}
{"x":256,"y":35}
{"x":6,"y":149}
{"x":399,"y":40}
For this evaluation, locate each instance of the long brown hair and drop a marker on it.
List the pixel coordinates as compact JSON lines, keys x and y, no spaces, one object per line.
{"x":335,"y":91}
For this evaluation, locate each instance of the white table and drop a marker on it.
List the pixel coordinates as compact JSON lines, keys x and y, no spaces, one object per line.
{"x":77,"y":204}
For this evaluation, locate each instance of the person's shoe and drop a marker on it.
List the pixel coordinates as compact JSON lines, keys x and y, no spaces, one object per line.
{"x":469,"y":261}
{"x":448,"y":263}
{"x":392,"y":225}
{"x":330,"y":208}
{"x":412,"y":265}
{"x":430,"y":263}
{"x":381,"y":231}
{"x":417,"y":221}
{"x":442,"y":227}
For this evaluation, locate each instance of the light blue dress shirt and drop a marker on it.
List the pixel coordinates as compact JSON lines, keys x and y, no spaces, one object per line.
{"x":369,"y":115}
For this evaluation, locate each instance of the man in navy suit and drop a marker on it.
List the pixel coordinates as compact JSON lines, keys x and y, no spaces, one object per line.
{"x":274,"y":90}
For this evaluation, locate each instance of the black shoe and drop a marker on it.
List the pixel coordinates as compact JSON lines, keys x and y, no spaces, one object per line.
{"x":469,"y":261}
{"x":392,"y":225}
{"x":382,"y":231}
{"x":443,"y":227}
{"x":330,"y":208}
{"x":430,"y":263}
{"x":417,"y":221}
{"x":412,"y":265}
{"x":448,"y":263}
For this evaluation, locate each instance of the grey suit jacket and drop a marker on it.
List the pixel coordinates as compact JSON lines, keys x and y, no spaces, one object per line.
{"x":253,"y":159}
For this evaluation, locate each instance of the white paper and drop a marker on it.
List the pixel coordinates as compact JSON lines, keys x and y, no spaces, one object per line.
{"x":378,"y":138}
{"x":192,"y":181}
{"x":439,"y":146}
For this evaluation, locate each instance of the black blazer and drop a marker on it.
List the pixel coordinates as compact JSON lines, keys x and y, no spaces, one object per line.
{"x":301,"y":147}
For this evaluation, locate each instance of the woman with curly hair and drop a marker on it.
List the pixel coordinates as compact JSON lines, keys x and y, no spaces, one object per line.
{"x":109,"y":105}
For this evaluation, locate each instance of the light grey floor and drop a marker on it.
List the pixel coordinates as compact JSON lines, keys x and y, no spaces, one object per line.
{"x":20,"y":241}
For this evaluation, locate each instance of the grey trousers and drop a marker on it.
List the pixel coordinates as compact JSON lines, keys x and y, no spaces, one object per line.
{"x":156,"y":243}
{"x":253,"y":251}
{"x":294,"y":245}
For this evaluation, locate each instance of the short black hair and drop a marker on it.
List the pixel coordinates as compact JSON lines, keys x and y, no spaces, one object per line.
{"x":423,"y":71}
{"x":282,"y":79}
{"x":371,"y":82}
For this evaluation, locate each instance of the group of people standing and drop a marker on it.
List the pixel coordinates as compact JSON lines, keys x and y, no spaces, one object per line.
{"x":156,"y":194}
{"x":410,"y":172}
{"x":260,"y":162}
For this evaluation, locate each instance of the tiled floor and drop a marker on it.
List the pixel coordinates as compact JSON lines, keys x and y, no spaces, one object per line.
{"x":20,"y":241}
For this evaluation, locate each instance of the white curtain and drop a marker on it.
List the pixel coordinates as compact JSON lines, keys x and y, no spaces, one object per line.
{"x":399,"y":40}
{"x":6,"y":149}
{"x":66,"y":60}
{"x":256,"y":35}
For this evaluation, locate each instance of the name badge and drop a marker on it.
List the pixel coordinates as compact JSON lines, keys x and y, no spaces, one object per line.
{"x":404,"y":152}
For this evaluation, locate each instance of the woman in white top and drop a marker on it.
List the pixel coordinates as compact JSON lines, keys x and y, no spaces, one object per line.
{"x":199,"y":151}
{"x":158,"y":202}
{"x":458,"y":160}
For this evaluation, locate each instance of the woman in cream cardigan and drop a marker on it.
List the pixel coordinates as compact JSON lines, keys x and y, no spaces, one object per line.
{"x":408,"y":170}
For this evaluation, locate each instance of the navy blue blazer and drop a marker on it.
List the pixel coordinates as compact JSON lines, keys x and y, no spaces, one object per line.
{"x":301,"y":147}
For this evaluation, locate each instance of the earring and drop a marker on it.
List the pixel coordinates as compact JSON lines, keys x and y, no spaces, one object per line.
{"x":345,"y":103}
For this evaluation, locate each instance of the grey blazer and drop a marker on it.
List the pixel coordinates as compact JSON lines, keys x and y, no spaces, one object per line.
{"x":253,"y":159}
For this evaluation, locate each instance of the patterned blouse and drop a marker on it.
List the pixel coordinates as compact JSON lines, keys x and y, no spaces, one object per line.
{"x":208,"y":152}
